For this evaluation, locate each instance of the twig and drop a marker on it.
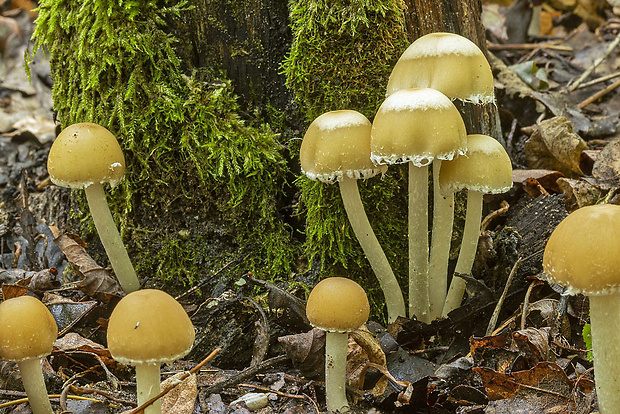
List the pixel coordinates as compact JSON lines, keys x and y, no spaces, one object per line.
{"x":500,"y":302}
{"x":595,"y":64}
{"x":55,"y":396}
{"x":599,"y":80}
{"x":267,"y":389}
{"x":206,"y":280}
{"x":528,"y":46}
{"x":598,"y":95}
{"x":526,"y":302}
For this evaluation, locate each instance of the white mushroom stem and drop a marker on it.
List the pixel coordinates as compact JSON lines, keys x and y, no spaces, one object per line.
{"x":467,"y":253}
{"x":34,"y":384}
{"x":605,"y":320}
{"x":443,"y":217}
{"x":148,"y":386}
{"x":418,"y":243}
{"x":372,"y":249}
{"x":336,"y":344}
{"x":110,"y":238}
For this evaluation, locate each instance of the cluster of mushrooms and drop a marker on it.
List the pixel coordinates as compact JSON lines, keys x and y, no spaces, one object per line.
{"x":147,"y":327}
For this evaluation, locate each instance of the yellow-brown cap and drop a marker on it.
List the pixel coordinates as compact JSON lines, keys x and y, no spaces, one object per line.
{"x":83,"y":154}
{"x":447,"y":62}
{"x":417,"y":125}
{"x":485,"y":167}
{"x":149,"y":327}
{"x":27,"y":329}
{"x":337,"y":145}
{"x":337,"y":304}
{"x":583,"y":252}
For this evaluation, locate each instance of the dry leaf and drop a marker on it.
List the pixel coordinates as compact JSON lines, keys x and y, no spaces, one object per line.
{"x":365,"y":348}
{"x":182,"y":398}
{"x":579,"y":193}
{"x":606,"y":168}
{"x":306,"y":350}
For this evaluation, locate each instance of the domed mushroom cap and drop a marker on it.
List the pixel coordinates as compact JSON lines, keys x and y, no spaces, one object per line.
{"x":337,"y":145}
{"x":337,"y":304}
{"x":485,"y":167}
{"x":583,"y":252}
{"x":83,"y":154}
{"x":417,"y":125}
{"x":447,"y":62}
{"x":27,"y":329}
{"x":149,"y":326}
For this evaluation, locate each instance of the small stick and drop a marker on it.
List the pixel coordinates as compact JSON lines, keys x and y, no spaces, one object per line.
{"x":599,"y":80}
{"x":595,"y":64}
{"x":598,"y":95}
{"x":528,"y":46}
{"x":500,"y":302}
{"x":267,"y":389}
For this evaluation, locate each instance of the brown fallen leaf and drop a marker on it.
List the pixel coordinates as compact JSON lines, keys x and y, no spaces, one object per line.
{"x":606,"y":168}
{"x":365,"y":350}
{"x":182,"y":398}
{"x":306,"y":350}
{"x":547,"y":178}
{"x":579,"y":193}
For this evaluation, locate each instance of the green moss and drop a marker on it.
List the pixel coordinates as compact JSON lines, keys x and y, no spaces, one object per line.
{"x":193,"y":163}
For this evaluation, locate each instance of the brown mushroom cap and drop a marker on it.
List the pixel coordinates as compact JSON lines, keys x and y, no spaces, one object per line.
{"x":337,"y":145}
{"x":417,"y":125}
{"x":84,"y":154}
{"x":447,"y":62}
{"x":583,"y":252}
{"x":27,"y":329}
{"x":149,"y":326}
{"x":485,"y":167}
{"x":337,"y":304}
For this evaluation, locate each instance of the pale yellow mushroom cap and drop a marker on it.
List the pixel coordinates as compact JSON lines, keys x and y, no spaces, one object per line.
{"x":447,"y":62}
{"x":485,"y":167}
{"x":27,"y":329}
{"x":337,"y":304}
{"x":149,"y":326}
{"x":417,"y":125}
{"x":84,"y":154}
{"x":583,"y":252}
{"x":337,"y":145}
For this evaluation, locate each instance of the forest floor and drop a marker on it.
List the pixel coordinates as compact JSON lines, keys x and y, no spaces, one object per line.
{"x":515,"y":345}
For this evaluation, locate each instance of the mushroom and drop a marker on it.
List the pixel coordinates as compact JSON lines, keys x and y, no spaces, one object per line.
{"x":417,"y":126}
{"x":336,"y":147}
{"x":27,"y":334}
{"x":147,"y":328}
{"x":337,"y":305}
{"x":484,"y":169}
{"x":583,"y":254}
{"x":85,"y":156}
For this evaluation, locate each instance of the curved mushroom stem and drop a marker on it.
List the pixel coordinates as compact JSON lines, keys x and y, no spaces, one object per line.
{"x":34,"y":384}
{"x":110,"y":238}
{"x":336,"y":344}
{"x":467,"y":253}
{"x":605,"y":320}
{"x":148,"y":386}
{"x":443,"y":217}
{"x":418,"y":243}
{"x":372,"y":249}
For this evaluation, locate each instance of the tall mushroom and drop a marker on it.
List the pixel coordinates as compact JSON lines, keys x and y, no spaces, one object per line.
{"x":455,"y":66}
{"x":85,"y":156}
{"x":417,"y":126}
{"x":336,"y":148}
{"x":338,"y":306}
{"x":147,"y":328}
{"x":583,"y":254}
{"x":27,"y":334}
{"x":484,"y":169}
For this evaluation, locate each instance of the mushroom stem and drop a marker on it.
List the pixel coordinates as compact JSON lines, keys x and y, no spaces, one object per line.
{"x":34,"y":384}
{"x":372,"y":249}
{"x":336,"y":344}
{"x":443,"y":217}
{"x":148,"y":386}
{"x":110,"y":238}
{"x":418,"y":243}
{"x":467,"y":253}
{"x":605,"y":320}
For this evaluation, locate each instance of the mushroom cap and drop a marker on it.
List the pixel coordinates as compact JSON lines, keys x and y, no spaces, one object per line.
{"x":27,"y":329}
{"x":149,"y":327}
{"x":583,"y":252}
{"x":337,"y":304}
{"x":337,"y":145}
{"x":417,"y":125}
{"x":83,"y":154}
{"x":447,"y":62}
{"x":485,"y":167}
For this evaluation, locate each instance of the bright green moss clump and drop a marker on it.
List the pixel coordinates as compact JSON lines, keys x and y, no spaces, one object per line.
{"x":196,"y":171}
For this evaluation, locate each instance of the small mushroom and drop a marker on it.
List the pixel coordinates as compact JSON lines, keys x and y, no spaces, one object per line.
{"x":583,"y":254}
{"x":484,"y":169}
{"x":27,"y":334}
{"x":338,"y":306}
{"x":85,"y":156}
{"x":336,"y":148}
{"x":147,"y":328}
